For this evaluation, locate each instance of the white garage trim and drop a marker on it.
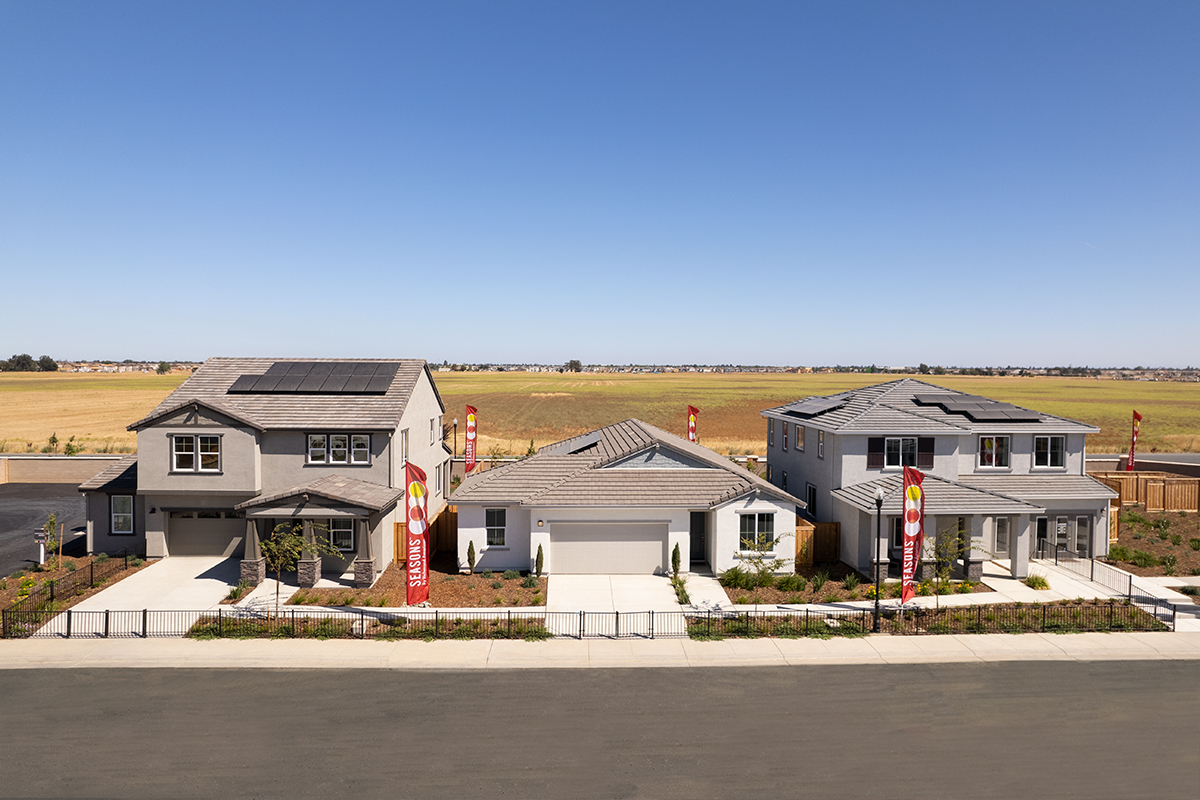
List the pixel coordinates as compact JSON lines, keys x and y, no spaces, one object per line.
{"x":623,"y":548}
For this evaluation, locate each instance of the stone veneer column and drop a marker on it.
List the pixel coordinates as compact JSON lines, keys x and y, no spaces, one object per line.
{"x":254,"y":570}
{"x":308,"y":572}
{"x":364,"y":573}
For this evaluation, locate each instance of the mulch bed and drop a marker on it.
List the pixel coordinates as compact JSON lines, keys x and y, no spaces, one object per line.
{"x":834,"y":590}
{"x":447,"y":589}
{"x":1159,"y":533}
{"x":10,"y":586}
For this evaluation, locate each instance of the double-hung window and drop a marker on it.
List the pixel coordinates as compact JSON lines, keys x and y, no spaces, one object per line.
{"x":339,"y":448}
{"x":360,"y":448}
{"x":800,"y":438}
{"x":820,"y":444}
{"x":494,"y":521}
{"x":341,"y":534}
{"x":770,"y":433}
{"x":195,"y":453}
{"x":317,"y":443}
{"x":122,"y":515}
{"x":900,"y":452}
{"x":757,"y":532}
{"x":785,"y":436}
{"x":994,"y":452}
{"x":1049,"y":451}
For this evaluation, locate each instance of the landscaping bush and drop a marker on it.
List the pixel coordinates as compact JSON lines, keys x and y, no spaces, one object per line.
{"x":763,"y":579}
{"x":538,"y":562}
{"x":851,"y":581}
{"x":1170,"y":561}
{"x":511,"y":574}
{"x":236,"y":592}
{"x":487,"y":573}
{"x":1176,"y":539}
{"x":471,"y":556}
{"x":1143,"y":559}
{"x":101,"y":558}
{"x":819,"y":580}
{"x":791,"y":583}
{"x":1191,"y":591}
{"x":136,"y":562}
{"x":1195,"y":543}
{"x":1119,"y":552}
{"x":1037,"y":582}
{"x":497,"y":584}
{"x":530,"y":582}
{"x":964,"y":588}
{"x":72,"y":566}
{"x":737,"y":578}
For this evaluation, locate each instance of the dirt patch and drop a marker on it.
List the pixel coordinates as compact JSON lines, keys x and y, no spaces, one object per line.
{"x":832,"y":583}
{"x":10,"y":587}
{"x":1161,"y":537}
{"x":447,"y":589}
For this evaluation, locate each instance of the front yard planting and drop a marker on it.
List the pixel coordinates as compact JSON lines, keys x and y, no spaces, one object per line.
{"x":1160,"y":543}
{"x":825,"y":583}
{"x":387,"y":627}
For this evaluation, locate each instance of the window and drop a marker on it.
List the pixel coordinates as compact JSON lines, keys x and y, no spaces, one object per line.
{"x":339,"y":448}
{"x":1082,"y":539}
{"x":783,"y":481}
{"x":1049,"y":451}
{"x":184,"y":451}
{"x":757,"y":532}
{"x":437,"y":480}
{"x":1001,"y":536}
{"x":897,"y":532}
{"x":900,"y":451}
{"x":770,"y":474}
{"x":494,"y":522}
{"x":993,"y":452}
{"x":811,"y":491}
{"x":770,"y":433}
{"x":433,"y":431}
{"x":360,"y":448}
{"x":404,"y":446}
{"x":785,"y":436}
{"x":341,"y":534}
{"x":1043,"y":528}
{"x":1062,"y":531}
{"x":820,"y":444}
{"x":800,"y":438}
{"x":122,"y":515}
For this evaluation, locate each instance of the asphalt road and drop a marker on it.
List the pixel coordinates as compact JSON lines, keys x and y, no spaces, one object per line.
{"x":26,"y":506}
{"x":999,"y":730}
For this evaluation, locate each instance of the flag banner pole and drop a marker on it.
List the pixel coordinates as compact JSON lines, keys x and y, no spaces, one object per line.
{"x":693,"y":412}
{"x":417,"y":539}
{"x":914,"y":532}
{"x":1137,"y":423}
{"x":469,"y":448}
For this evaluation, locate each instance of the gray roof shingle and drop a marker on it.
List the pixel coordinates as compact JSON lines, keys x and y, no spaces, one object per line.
{"x":941,"y":497}
{"x":120,"y":476}
{"x":340,"y":489}
{"x":1042,"y":487}
{"x":210,"y":385}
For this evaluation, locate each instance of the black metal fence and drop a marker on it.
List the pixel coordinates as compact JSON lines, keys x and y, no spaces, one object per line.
{"x":1115,"y":615}
{"x":71,"y":584}
{"x":1106,"y":575}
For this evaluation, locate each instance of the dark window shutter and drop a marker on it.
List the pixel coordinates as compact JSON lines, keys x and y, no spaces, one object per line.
{"x":875,"y":452}
{"x":925,"y":452}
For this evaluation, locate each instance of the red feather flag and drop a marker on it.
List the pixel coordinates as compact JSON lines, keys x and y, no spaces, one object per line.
{"x":693,"y":412}
{"x":914,"y":532}
{"x":469,"y":450}
{"x":1137,"y":423}
{"x":417,"y":544}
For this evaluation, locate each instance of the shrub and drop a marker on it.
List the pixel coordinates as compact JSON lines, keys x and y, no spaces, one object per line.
{"x":236,"y":592}
{"x":1194,"y":543}
{"x":1191,"y":591}
{"x":679,"y":582}
{"x":497,"y":584}
{"x":471,"y":556}
{"x":675,"y":560}
{"x":1138,"y":534}
{"x":1037,"y":582}
{"x":851,"y":581}
{"x":72,"y":566}
{"x":924,"y":589}
{"x":819,"y":579}
{"x":743,"y":600}
{"x":791,"y":583}
{"x":487,"y":573}
{"x":763,"y":579}
{"x":101,"y":557}
{"x":1176,"y":539}
{"x":966,"y":587}
{"x":448,"y":578}
{"x":1119,"y":552}
{"x":1170,"y":561}
{"x":530,"y":582}
{"x":943,"y":588}
{"x":136,"y":562}
{"x":511,"y":575}
{"x":499,"y":601}
{"x":1143,"y":559}
{"x":537,"y":564}
{"x":735,"y":578}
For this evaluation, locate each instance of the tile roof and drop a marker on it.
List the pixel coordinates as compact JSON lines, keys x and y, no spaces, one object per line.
{"x":340,"y":489}
{"x":892,"y":408}
{"x":210,"y":385}
{"x":1042,"y":487}
{"x":941,"y":497}
{"x":120,"y":476}
{"x":572,"y":473}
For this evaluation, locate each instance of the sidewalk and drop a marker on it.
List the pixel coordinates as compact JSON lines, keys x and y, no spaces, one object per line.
{"x":590,"y":653}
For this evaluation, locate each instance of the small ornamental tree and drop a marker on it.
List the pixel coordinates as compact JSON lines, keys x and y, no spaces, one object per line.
{"x":283,"y":548}
{"x":537,"y":564}
{"x":675,"y":560}
{"x":471,"y":556}
{"x":51,"y":531}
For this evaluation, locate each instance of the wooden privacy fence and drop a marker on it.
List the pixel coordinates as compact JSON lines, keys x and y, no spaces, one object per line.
{"x":1157,"y":491}
{"x":443,"y":534}
{"x":817,"y":541}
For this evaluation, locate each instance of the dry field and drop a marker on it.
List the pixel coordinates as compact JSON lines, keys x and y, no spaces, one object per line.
{"x":515,"y":407}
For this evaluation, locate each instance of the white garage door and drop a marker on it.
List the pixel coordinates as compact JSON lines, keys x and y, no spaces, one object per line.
{"x":616,"y":548}
{"x":206,"y":537}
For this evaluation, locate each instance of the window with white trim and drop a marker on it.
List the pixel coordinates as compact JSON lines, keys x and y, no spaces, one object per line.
{"x":1049,"y":451}
{"x":495,"y":520}
{"x":811,"y":499}
{"x":897,"y":532}
{"x":900,"y":451}
{"x":756,"y":532}
{"x":800,"y":438}
{"x":820,"y":444}
{"x":1083,"y":540}
{"x":122,"y":515}
{"x":785,"y":436}
{"x":338,"y":448}
{"x":341,"y":534}
{"x":437,"y":481}
{"x":994,"y":452}
{"x":1001,"y":536}
{"x":770,"y":474}
{"x":195,"y":453}
{"x":404,"y":446}
{"x":770,"y":433}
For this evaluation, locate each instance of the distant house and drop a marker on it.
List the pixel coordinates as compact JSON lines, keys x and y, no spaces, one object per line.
{"x":1006,"y":477}
{"x":245,"y":444}
{"x":619,"y":500}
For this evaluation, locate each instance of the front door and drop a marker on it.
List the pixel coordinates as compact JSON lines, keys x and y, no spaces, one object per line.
{"x":699,"y":544}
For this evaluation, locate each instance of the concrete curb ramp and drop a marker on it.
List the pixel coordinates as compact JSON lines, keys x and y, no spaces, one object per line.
{"x":592,"y":653}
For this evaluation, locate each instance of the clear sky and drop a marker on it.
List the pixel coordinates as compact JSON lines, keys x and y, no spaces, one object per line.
{"x":767,"y":183}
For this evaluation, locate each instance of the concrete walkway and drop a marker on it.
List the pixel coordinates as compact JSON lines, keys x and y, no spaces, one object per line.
{"x":593,"y":653}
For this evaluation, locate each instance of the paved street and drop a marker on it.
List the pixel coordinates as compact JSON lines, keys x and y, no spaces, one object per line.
{"x":25,"y":506}
{"x":1063,"y":730}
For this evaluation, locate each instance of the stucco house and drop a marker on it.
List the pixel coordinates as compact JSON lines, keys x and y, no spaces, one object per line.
{"x":619,"y":500}
{"x":1004,"y":477}
{"x":245,"y":444}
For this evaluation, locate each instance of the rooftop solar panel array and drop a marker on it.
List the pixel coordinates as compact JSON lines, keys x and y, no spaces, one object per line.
{"x":812,"y":406}
{"x":319,"y":377}
{"x":979,"y":409}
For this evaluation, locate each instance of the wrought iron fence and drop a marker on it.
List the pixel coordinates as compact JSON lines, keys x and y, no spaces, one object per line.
{"x":1108,"y":576}
{"x":1113,"y":615}
{"x":77,"y":582}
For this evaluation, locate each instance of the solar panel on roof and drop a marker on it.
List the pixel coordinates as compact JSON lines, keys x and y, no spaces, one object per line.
{"x":356,"y":383}
{"x":299,"y":367}
{"x":334,"y":384}
{"x":320,"y":368}
{"x":244,"y":383}
{"x":266,"y":383}
{"x":311,"y":383}
{"x":343,"y":368}
{"x":378,"y":383}
{"x":279,"y":368}
{"x":812,"y":406}
{"x":364,"y":368}
{"x":319,"y":377}
{"x":289,"y":383}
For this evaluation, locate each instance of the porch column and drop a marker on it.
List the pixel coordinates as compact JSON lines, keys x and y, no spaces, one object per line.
{"x":308,"y":569}
{"x":973,"y":557}
{"x":364,"y":564}
{"x":879,"y":547}
{"x":254,"y":566}
{"x":1018,"y":547}
{"x":927,"y":567}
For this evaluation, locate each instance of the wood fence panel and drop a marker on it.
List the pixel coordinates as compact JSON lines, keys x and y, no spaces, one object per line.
{"x":1181,"y":495}
{"x":1114,"y":526}
{"x":1153,"y":492}
{"x":804,"y":542}
{"x":827,"y":541}
{"x":399,"y":534}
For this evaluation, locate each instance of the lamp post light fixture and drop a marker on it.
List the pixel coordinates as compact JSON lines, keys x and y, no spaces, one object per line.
{"x":456,"y":437}
{"x":878,"y":563}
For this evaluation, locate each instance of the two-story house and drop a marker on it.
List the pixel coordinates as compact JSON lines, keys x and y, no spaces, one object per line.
{"x":246,"y":444}
{"x":1001,"y":476}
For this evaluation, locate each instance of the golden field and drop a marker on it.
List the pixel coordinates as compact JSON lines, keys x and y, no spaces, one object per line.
{"x":515,"y":407}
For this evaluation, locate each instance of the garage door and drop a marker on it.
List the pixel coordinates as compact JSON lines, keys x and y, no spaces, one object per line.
{"x":588,"y":549}
{"x":206,"y":537}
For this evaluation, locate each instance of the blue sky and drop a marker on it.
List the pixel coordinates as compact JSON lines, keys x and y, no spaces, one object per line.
{"x":770,"y":183}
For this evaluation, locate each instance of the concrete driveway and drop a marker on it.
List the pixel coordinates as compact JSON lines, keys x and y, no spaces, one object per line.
{"x":611,"y":593}
{"x":180,"y":583}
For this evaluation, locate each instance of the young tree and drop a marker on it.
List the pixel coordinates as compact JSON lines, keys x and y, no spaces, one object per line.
{"x":163,"y":368}
{"x":757,"y":555}
{"x":51,"y":531}
{"x":283,"y":548}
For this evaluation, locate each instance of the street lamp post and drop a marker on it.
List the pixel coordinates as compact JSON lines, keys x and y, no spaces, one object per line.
{"x":878,"y":563}
{"x":456,"y":437}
